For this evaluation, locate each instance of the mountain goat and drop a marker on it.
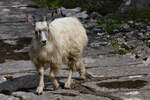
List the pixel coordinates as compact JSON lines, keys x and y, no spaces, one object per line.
{"x":57,"y":42}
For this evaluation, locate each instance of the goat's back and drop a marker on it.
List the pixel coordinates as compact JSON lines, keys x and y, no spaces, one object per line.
{"x":68,"y":31}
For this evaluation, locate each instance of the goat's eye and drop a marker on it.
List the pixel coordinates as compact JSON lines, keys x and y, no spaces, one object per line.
{"x":36,"y":32}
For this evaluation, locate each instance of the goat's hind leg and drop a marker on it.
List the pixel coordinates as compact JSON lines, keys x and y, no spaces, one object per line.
{"x":40,"y":87}
{"x":68,"y":83}
{"x":81,"y":69}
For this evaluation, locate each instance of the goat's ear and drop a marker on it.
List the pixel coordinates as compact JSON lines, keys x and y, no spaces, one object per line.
{"x":44,"y":18}
{"x":51,"y":15}
{"x":31,"y":19}
{"x":62,"y":14}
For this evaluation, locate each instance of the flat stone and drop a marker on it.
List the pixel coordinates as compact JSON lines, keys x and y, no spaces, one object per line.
{"x":15,"y":66}
{"x":5,"y":97}
{"x":148,"y":28}
{"x":58,"y":96}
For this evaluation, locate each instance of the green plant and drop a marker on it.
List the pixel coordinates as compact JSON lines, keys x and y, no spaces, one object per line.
{"x":110,"y":23}
{"x":48,"y":3}
{"x":139,"y":15}
{"x":145,"y":36}
{"x":118,"y":48}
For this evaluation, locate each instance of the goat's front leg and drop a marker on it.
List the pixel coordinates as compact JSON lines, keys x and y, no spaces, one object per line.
{"x":40,"y":87}
{"x":68,"y":83}
{"x":53,"y":72}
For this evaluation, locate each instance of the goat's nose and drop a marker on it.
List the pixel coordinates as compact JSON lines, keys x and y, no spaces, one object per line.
{"x":43,"y":42}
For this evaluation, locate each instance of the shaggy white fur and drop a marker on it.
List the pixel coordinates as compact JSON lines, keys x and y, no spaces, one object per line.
{"x":66,"y":40}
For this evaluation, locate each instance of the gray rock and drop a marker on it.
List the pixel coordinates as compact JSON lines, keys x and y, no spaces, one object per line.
{"x":148,"y":28}
{"x":5,"y":97}
{"x":124,"y":26}
{"x":70,"y":12}
{"x":95,"y":15}
{"x":54,"y":95}
{"x":15,"y":66}
{"x":11,"y":42}
{"x":18,"y":83}
{"x":82,"y":15}
{"x":24,"y":50}
{"x":90,"y":97}
{"x":90,"y":24}
{"x":76,"y":10}
{"x":131,"y":22}
{"x":97,"y":44}
{"x":26,"y":96}
{"x":101,"y":34}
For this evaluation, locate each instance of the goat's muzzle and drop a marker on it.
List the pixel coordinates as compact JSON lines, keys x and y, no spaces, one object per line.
{"x":43,"y":42}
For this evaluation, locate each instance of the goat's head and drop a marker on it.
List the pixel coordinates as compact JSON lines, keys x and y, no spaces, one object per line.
{"x":41,"y":30}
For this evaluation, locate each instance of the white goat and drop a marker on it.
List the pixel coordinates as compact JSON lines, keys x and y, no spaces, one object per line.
{"x":57,"y":42}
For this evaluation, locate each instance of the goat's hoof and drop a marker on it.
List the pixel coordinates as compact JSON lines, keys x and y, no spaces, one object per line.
{"x":39,"y":91}
{"x":67,"y":85}
{"x":83,"y":77}
{"x":56,"y":86}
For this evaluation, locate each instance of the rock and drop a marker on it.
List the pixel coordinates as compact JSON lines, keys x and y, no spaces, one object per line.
{"x":138,"y":26}
{"x":5,"y":97}
{"x":18,"y":83}
{"x":95,"y":15}
{"x":148,"y":28}
{"x":74,"y":12}
{"x":98,"y":44}
{"x":13,"y":66}
{"x":124,"y":27}
{"x":82,"y":15}
{"x":116,"y":30}
{"x":97,"y":30}
{"x":101,"y":34}
{"x":131,"y":22}
{"x":26,"y":96}
{"x":90,"y":24}
{"x":11,"y":42}
{"x":70,"y":12}
{"x":65,"y":11}
{"x":59,"y":95}
{"x":141,"y":35}
{"x":24,"y":50}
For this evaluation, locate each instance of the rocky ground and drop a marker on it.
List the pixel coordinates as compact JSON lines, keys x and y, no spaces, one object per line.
{"x":113,"y":75}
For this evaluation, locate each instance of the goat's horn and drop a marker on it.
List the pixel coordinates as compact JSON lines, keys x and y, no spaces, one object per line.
{"x":62,"y":13}
{"x":44,"y":18}
{"x":31,"y":19}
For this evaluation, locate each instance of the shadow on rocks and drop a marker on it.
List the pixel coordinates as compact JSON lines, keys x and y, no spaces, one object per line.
{"x":25,"y":83}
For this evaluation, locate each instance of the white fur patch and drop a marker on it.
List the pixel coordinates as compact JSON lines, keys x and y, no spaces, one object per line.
{"x":40,"y":25}
{"x":147,"y":62}
{"x":43,"y":36}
